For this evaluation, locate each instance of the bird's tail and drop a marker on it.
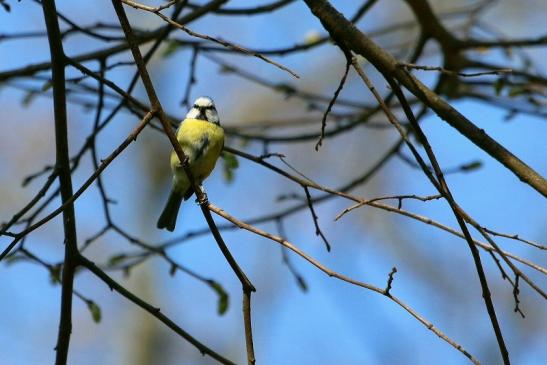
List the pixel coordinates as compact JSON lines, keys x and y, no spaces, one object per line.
{"x":168,"y":218}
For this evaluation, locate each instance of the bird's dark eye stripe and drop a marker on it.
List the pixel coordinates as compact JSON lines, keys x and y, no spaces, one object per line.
{"x":208,"y":107}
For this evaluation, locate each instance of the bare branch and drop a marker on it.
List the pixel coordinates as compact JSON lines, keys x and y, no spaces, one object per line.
{"x":345,"y":33}
{"x":113,"y":285}
{"x":338,"y":276}
{"x":222,"y":42}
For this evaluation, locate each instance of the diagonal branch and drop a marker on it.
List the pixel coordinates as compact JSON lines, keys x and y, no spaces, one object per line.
{"x":347,"y":35}
{"x":113,"y":285}
{"x":31,"y":69}
{"x":338,"y":276}
{"x":104,"y":164}
{"x":222,"y":42}
{"x":202,"y":198}
{"x":440,"y":184}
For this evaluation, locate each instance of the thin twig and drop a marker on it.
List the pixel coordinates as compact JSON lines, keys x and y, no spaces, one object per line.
{"x":390,"y":278}
{"x":202,"y":198}
{"x":222,"y":42}
{"x":318,"y":231}
{"x":499,"y":71}
{"x":400,"y":198}
{"x":104,"y":164}
{"x":441,"y":185}
{"x":286,"y":258}
{"x":339,"y":276}
{"x":113,"y":285}
{"x":331,"y":104}
{"x":341,"y":192}
{"x":191,"y":78}
{"x":516,"y":293}
{"x":516,"y":238}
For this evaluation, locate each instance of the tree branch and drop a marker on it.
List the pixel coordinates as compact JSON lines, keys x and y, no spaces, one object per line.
{"x":113,"y":285}
{"x":202,"y":198}
{"x":63,"y":168}
{"x":347,"y":35}
{"x":338,"y":276}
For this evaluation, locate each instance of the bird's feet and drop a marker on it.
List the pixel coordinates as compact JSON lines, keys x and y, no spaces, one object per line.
{"x":202,"y":196}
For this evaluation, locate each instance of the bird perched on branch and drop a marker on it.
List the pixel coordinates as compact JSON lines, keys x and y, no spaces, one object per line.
{"x":201,"y":138}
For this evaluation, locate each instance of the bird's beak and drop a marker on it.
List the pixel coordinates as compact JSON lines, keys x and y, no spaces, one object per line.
{"x":201,"y":115}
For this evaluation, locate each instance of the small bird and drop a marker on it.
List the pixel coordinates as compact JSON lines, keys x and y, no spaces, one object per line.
{"x":201,"y":138}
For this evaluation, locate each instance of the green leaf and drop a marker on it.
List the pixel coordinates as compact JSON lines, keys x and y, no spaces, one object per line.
{"x":12,"y":259}
{"x":498,"y":85}
{"x":29,"y":98}
{"x":223,"y":298}
{"x":47,"y":85}
{"x":475,"y":165}
{"x":226,"y":69}
{"x":302,"y":283}
{"x":5,"y":5}
{"x":170,"y":49}
{"x":55,"y":274}
{"x":230,"y":163}
{"x":173,"y":270}
{"x":95,"y":311}
{"x":116,"y":259}
{"x":286,"y":89}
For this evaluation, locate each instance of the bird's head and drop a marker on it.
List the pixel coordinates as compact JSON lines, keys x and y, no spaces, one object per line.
{"x":204,"y":109}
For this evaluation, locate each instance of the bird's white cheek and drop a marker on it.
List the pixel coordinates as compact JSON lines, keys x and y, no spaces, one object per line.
{"x":192,"y":114}
{"x":212,"y":116}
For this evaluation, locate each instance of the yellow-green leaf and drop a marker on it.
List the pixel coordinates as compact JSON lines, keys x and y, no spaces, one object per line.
{"x":223,"y":299}
{"x":55,"y":274}
{"x":95,"y":311}
{"x":285,"y":88}
{"x":230,"y":163}
{"x":475,"y":165}
{"x":47,"y":85}
{"x":29,"y":97}
{"x":498,"y":85}
{"x":11,"y":259}
{"x":116,"y":259}
{"x":302,"y":283}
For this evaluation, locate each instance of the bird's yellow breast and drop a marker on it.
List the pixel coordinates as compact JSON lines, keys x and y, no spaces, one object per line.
{"x":201,"y":142}
{"x":194,"y":129}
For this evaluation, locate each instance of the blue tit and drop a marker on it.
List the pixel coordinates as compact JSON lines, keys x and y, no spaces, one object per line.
{"x":201,"y":138}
